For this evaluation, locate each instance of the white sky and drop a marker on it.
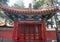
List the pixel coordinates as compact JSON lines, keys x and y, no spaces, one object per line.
{"x":11,"y":2}
{"x":26,"y":2}
{"x":58,"y":0}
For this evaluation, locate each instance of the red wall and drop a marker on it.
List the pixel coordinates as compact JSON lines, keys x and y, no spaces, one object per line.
{"x":8,"y":34}
{"x":51,"y":35}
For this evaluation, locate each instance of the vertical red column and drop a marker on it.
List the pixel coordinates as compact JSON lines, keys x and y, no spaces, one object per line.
{"x":18,"y":31}
{"x":44,"y":31}
{"x":40,"y":31}
{"x":14,"y":36}
{"x":35,"y":34}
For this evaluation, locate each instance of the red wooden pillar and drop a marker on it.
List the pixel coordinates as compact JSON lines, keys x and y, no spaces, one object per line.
{"x":14,"y":38}
{"x":18,"y":31}
{"x":40,"y":32}
{"x":44,"y":31}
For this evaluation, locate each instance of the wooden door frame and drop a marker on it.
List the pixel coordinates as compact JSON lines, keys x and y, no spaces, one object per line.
{"x":42,"y":32}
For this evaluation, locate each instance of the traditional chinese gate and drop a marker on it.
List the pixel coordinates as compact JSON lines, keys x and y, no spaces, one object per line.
{"x":29,"y":31}
{"x":33,"y":29}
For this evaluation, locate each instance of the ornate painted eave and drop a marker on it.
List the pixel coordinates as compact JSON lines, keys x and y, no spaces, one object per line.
{"x":25,"y":13}
{"x":30,"y":11}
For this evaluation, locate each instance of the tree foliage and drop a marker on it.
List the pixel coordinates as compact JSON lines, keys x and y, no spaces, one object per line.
{"x":38,"y":3}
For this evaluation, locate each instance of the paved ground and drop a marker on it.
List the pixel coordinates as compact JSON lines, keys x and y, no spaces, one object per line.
{"x":5,"y":40}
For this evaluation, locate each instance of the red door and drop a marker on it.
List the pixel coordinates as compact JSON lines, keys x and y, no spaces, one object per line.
{"x":29,"y":33}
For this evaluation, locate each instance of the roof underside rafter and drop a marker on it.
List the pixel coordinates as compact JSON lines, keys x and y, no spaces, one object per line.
{"x":23,"y":13}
